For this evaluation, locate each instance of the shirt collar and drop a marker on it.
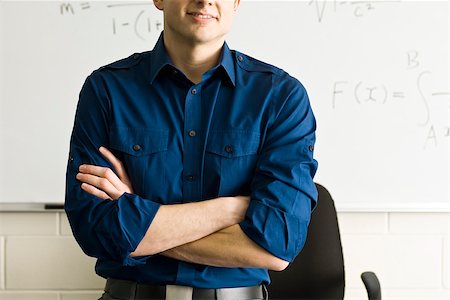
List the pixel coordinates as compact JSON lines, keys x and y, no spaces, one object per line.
{"x":160,"y":59}
{"x":227,"y":63}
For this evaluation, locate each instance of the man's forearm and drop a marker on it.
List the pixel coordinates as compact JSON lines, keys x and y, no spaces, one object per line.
{"x":179,"y":224}
{"x":229,"y":247}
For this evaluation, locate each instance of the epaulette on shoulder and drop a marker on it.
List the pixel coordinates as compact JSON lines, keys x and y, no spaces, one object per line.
{"x":249,"y":63}
{"x":125,"y":63}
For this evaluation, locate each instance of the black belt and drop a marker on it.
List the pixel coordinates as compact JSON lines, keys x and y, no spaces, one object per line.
{"x":131,"y":290}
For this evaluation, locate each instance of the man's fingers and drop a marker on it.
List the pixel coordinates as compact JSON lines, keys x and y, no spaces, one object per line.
{"x":104,"y":179}
{"x":103,"y":172}
{"x":100,"y":183}
{"x":95,"y":191}
{"x":115,"y":162}
{"x":98,"y":171}
{"x":125,"y":183}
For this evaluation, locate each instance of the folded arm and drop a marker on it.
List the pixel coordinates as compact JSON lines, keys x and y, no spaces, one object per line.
{"x":173,"y":225}
{"x":192,"y":232}
{"x":179,"y":224}
{"x":229,"y":248}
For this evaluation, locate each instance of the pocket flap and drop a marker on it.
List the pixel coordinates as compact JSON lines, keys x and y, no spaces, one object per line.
{"x":233,"y":143}
{"x":138,"y":141}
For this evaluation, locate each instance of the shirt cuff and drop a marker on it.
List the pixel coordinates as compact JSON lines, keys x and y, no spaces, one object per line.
{"x":280,"y":233}
{"x":134,"y":218}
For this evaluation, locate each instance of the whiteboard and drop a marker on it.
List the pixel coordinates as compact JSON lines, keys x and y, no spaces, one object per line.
{"x":377,"y":74}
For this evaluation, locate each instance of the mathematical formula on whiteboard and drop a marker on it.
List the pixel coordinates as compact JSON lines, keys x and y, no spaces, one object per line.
{"x":376,"y":73}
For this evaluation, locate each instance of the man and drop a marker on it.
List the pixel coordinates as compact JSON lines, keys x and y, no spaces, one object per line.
{"x":190,"y":167}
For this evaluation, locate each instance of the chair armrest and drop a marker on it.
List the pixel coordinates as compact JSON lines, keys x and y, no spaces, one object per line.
{"x":372,"y":285}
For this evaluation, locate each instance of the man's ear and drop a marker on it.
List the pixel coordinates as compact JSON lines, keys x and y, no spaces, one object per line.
{"x":159,"y":4}
{"x":236,"y":4}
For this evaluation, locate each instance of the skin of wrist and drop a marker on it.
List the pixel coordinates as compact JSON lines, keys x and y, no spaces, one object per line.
{"x":233,"y":208}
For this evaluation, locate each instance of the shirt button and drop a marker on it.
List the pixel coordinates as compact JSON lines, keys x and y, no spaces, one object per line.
{"x":240,"y":58}
{"x":137,"y":147}
{"x":190,"y":178}
{"x":311,"y":148}
{"x":194,"y":91}
{"x":136,"y":55}
{"x":192,"y":133}
{"x":229,"y":149}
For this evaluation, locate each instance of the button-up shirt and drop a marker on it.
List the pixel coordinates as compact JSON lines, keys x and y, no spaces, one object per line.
{"x":246,"y":129}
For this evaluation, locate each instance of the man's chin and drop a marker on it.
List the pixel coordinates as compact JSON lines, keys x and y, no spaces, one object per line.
{"x":207,"y":38}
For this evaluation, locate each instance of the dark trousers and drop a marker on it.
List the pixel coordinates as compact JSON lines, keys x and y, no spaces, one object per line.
{"x":129,"y":290}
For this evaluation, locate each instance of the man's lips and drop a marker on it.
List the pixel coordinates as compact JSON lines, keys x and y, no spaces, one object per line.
{"x":200,"y":15}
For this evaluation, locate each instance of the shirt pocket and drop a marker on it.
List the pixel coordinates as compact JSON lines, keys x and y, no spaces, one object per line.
{"x":230,"y":161}
{"x":143,"y":152}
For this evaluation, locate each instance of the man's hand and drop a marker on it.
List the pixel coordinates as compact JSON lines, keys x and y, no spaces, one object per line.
{"x":103,"y":182}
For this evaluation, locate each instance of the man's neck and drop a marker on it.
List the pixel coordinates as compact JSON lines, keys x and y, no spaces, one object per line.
{"x":193,"y":59}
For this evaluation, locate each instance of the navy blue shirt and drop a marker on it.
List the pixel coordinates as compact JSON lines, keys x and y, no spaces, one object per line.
{"x":246,"y":129}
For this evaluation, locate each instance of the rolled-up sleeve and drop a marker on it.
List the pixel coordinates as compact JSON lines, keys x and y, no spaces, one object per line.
{"x":103,"y":228}
{"x":283,"y":193}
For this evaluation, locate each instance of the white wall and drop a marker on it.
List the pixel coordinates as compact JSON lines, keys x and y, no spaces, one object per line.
{"x":410,"y":253}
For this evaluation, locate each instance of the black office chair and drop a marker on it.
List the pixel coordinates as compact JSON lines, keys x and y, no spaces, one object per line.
{"x":318,"y":271}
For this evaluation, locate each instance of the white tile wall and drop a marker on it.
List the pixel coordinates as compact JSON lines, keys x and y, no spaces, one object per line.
{"x":2,"y":263}
{"x":57,"y":262}
{"x":81,"y":295}
{"x":29,"y":295}
{"x":400,"y":261}
{"x":419,"y":223}
{"x":12,"y":223}
{"x":64,"y":225}
{"x":401,"y":294}
{"x":446,"y":264}
{"x":363,"y":223}
{"x":410,"y":253}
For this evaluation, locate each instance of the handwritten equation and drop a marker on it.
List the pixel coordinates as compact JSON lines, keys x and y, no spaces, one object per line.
{"x":368,"y":93}
{"x":142,"y":23}
{"x":358,"y":9}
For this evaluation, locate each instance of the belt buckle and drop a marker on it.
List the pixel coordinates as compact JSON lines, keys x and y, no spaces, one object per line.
{"x":178,"y":292}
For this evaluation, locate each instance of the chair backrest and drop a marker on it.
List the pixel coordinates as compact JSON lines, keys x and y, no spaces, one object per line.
{"x":318,"y":271}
